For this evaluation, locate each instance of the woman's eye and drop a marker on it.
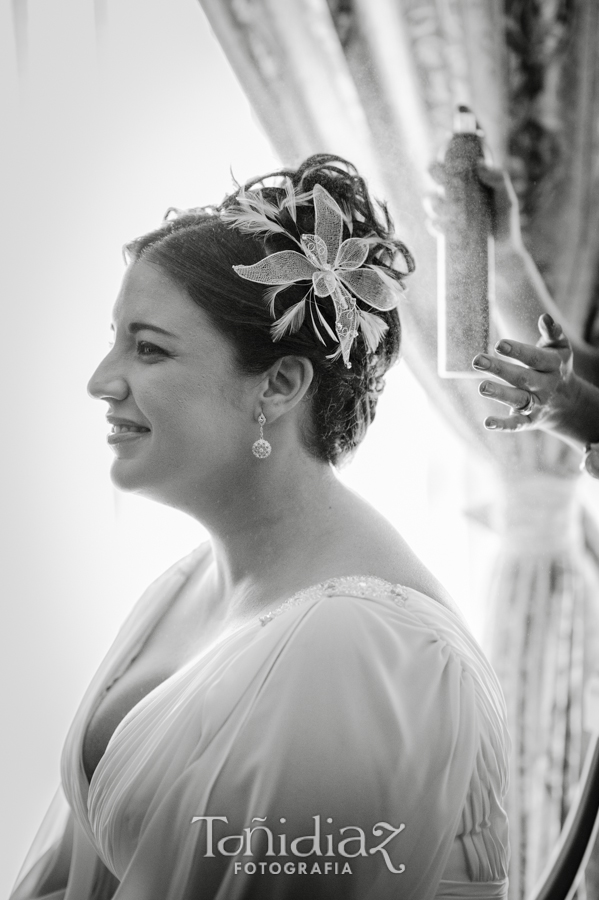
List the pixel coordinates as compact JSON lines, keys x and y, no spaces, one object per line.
{"x":145,"y":348}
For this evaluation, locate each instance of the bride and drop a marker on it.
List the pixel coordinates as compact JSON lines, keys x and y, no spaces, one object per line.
{"x":297,"y":708}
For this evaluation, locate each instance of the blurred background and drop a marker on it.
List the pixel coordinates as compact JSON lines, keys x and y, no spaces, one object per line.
{"x":112,"y":111}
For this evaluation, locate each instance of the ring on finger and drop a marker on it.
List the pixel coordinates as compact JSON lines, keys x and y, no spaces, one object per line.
{"x":528,"y":406}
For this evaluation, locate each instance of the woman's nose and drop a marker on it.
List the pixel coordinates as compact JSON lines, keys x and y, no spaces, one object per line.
{"x":106,"y":383}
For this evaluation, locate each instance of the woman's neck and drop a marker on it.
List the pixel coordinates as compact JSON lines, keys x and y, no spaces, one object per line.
{"x":283,"y":531}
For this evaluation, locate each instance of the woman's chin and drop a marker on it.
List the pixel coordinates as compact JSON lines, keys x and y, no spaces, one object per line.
{"x":137,"y":479}
{"x":129,"y":469}
{"x":127,"y":476}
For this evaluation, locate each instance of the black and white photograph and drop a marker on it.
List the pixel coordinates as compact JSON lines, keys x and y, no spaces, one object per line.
{"x":300,"y":450}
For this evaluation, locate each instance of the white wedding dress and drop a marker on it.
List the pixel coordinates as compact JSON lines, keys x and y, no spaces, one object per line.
{"x":283,"y":761}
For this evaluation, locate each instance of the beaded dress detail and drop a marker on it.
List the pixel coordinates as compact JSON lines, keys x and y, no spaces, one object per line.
{"x":363,"y":719}
{"x":365,"y":586}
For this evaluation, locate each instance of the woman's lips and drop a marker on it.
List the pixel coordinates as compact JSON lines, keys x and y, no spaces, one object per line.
{"x":122,"y":433}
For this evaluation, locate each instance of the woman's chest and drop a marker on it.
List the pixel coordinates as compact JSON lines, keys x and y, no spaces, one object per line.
{"x":129,"y":690}
{"x":180,"y":635}
{"x":176,"y":723}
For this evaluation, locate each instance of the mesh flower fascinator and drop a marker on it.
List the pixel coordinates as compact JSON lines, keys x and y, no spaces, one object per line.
{"x":333,"y":268}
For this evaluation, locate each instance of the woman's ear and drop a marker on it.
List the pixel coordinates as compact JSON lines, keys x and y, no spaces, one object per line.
{"x":285,"y":385}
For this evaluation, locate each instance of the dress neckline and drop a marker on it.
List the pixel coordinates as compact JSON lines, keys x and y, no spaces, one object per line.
{"x":367,"y":586}
{"x":371,"y":587}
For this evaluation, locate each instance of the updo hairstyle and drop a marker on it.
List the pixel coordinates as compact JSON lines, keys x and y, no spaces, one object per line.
{"x":198,"y":250}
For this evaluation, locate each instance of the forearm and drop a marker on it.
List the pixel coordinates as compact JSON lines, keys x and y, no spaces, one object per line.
{"x":522,"y":296}
{"x":579,"y":423}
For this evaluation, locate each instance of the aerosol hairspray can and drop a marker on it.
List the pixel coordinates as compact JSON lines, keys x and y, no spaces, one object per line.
{"x":465,"y":254}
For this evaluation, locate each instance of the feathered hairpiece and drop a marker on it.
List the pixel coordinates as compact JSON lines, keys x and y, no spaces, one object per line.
{"x":335,"y":268}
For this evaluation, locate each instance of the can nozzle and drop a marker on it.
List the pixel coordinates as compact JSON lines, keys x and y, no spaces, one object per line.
{"x":464,"y":121}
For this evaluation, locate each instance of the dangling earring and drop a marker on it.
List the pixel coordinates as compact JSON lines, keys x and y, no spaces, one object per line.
{"x":261,"y":448}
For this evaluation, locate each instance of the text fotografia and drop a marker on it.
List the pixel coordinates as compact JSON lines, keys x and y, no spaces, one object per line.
{"x":349,"y":842}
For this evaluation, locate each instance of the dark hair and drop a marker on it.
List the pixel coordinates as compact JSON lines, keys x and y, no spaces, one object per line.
{"x":198,"y":249}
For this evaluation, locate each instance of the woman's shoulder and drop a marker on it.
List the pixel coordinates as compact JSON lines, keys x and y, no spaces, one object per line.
{"x":371,"y":625}
{"x":366,"y":609}
{"x":363,"y":642}
{"x":385,"y":638}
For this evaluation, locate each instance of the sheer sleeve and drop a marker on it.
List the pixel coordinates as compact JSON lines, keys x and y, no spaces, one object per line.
{"x":61,"y":863}
{"x":338,"y":751}
{"x":329,"y":757}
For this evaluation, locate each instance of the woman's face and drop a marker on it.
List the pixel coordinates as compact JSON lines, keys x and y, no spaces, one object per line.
{"x":183,"y":417}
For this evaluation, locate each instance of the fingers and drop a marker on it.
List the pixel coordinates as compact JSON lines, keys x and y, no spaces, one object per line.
{"x":542,"y":359}
{"x":530,"y":379}
{"x":437,"y":173}
{"x":436,"y":220}
{"x":436,"y":211}
{"x":435,"y":206}
{"x":517,"y":422}
{"x":490,"y":176}
{"x":495,"y":178}
{"x":552,"y":334}
{"x":591,"y":461}
{"x":506,"y":221}
{"x":498,"y":179}
{"x":518,"y":376}
{"x":438,"y":214}
{"x":513,"y":397}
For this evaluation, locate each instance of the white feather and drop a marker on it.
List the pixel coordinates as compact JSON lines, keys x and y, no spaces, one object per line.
{"x":270,"y":295}
{"x":291,"y":321}
{"x":325,"y":323}
{"x":396,"y":287}
{"x":372,"y":327}
{"x":290,"y":201}
{"x":315,"y":326}
{"x":252,"y":213}
{"x":253,"y":222}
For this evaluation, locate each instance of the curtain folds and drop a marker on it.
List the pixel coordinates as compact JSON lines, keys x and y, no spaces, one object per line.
{"x":542,"y":639}
{"x":377,"y":81}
